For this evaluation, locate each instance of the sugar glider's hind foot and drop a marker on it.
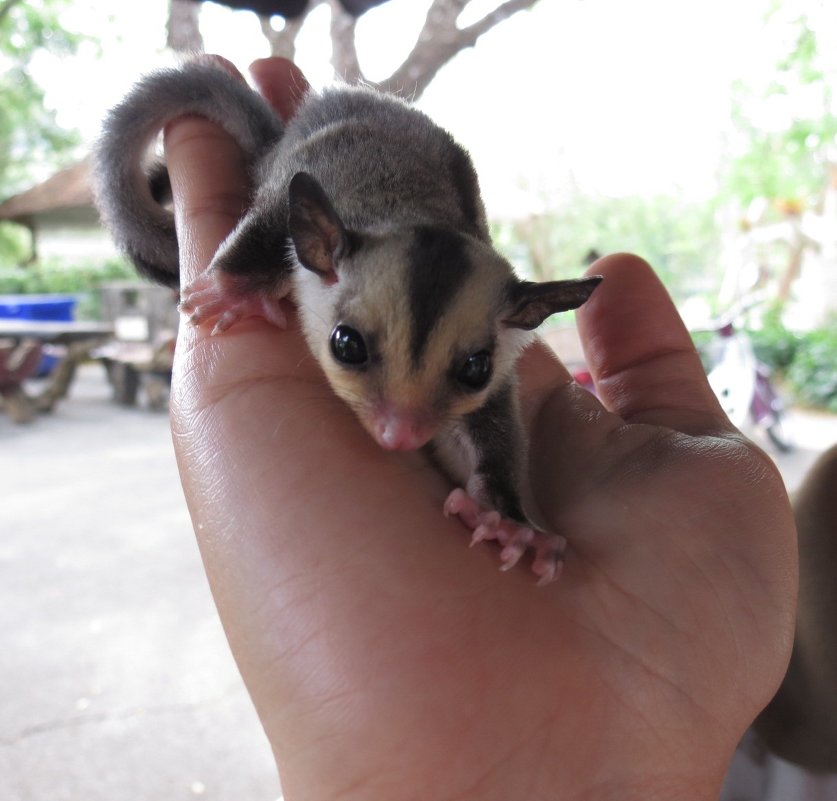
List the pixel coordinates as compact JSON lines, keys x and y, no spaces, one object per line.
{"x":514,"y":538}
{"x":217,"y":298}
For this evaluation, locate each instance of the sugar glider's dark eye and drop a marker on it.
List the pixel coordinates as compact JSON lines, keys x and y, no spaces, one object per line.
{"x":348,"y":347}
{"x":476,"y":371}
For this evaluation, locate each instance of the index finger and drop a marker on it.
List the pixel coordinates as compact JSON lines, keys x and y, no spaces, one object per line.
{"x":210,"y":188}
{"x":208,"y":171}
{"x":281,"y":83}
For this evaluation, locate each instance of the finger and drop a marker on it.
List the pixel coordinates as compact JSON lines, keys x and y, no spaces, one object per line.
{"x":281,"y":83}
{"x":541,"y":374}
{"x":210,"y":188}
{"x":642,"y":358}
{"x":208,"y":170}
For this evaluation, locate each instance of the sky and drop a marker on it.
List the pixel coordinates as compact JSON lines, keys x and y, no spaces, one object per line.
{"x":610,"y":96}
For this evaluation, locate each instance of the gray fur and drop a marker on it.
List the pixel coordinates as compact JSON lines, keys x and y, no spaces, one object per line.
{"x":380,"y":160}
{"x":343,"y":197}
{"x":377,"y":158}
{"x":143,"y":228}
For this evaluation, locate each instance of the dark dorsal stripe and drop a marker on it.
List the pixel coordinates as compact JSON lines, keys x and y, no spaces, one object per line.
{"x":437,"y":268}
{"x":467,"y":188}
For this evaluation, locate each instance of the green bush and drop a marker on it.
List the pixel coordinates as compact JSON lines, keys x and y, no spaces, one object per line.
{"x":813,"y":373}
{"x":774,"y":344}
{"x":15,"y":243}
{"x":81,"y":280}
{"x":49,"y":278}
{"x":703,"y":340}
{"x":807,"y":361}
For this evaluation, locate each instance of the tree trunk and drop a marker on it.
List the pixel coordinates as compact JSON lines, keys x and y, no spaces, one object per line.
{"x":344,"y":57}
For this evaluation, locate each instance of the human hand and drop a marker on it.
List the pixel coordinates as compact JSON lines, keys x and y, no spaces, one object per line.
{"x":386,"y":659}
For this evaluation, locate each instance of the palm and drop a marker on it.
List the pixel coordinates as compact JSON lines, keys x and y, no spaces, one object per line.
{"x":387,"y":660}
{"x":362,"y":613}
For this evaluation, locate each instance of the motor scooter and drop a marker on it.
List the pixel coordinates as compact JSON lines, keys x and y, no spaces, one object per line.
{"x":743,"y":384}
{"x":739,"y":380}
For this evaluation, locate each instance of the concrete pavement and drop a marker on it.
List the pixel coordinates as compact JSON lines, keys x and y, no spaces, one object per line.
{"x":117,"y":681}
{"x":116,"y":678}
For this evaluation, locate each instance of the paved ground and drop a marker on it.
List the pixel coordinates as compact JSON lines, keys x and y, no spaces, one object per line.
{"x":117,"y":682}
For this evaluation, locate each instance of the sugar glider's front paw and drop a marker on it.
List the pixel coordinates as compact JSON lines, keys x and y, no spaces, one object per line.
{"x":514,"y":538}
{"x":217,"y":298}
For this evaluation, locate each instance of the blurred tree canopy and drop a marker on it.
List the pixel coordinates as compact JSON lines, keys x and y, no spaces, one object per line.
{"x":781,"y":154}
{"x":786,"y":123}
{"x":29,"y":134}
{"x":782,"y":166}
{"x":679,"y":237}
{"x":28,"y":131}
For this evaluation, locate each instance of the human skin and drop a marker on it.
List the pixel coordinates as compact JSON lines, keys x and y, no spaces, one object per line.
{"x":386,"y":660}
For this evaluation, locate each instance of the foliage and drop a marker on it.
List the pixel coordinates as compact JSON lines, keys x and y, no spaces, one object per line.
{"x":703,"y":345}
{"x":28,"y":131}
{"x":807,"y":361}
{"x":81,"y":279}
{"x":813,"y":373}
{"x":787,"y":125}
{"x":678,"y":237}
{"x":14,"y":243}
{"x":774,"y":344}
{"x":61,"y":279}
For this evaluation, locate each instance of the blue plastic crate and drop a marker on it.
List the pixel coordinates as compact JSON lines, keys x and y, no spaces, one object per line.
{"x":54,"y":308}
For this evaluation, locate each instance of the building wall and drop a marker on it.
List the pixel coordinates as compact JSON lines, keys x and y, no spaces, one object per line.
{"x":72,"y":235}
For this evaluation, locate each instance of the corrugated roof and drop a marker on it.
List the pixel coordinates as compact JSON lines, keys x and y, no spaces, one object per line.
{"x":70,"y":188}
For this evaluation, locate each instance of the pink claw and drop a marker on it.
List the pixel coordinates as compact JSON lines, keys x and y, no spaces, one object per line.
{"x":548,"y":571}
{"x":513,"y":537}
{"x":510,"y":555}
{"x":464,"y":506}
{"x":491,"y":519}
{"x":549,"y":556}
{"x":482,"y":533}
{"x":210,"y":298}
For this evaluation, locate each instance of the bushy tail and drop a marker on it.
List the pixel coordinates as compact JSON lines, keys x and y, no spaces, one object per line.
{"x":128,"y":192}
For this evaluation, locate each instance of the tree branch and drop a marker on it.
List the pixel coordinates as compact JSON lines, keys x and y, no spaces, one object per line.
{"x":343,"y":49}
{"x":440,"y":40}
{"x":183,"y":33}
{"x":501,"y":13}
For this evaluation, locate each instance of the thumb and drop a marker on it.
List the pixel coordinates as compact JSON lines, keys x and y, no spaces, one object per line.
{"x":642,"y":358}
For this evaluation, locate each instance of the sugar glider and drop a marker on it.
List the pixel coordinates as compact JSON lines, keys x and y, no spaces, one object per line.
{"x":369,"y":216}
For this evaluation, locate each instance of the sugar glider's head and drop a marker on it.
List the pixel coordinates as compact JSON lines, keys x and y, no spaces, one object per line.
{"x":413,"y":327}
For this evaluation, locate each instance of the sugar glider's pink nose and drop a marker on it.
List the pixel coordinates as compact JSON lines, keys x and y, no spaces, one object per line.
{"x":397,"y":430}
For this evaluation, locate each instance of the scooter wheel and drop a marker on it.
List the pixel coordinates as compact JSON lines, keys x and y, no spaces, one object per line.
{"x":778,"y":436}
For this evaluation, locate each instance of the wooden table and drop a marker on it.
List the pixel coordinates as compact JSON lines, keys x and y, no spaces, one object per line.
{"x":21,"y":344}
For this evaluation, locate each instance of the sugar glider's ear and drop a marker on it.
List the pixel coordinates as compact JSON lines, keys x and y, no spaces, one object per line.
{"x":530,"y":303}
{"x":316,"y":230}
